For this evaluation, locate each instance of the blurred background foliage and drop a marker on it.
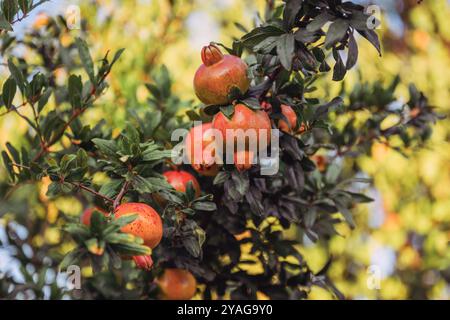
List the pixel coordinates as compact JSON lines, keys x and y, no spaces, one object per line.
{"x":404,"y":233}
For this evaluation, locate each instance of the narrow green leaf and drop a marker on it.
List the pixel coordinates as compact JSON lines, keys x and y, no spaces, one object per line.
{"x":86,"y":58}
{"x":9,"y":92}
{"x":285,"y":50}
{"x":336,"y":32}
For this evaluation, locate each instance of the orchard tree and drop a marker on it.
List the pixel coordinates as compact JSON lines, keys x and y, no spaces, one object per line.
{"x":156,"y":229}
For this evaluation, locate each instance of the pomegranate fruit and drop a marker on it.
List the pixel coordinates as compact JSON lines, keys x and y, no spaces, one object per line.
{"x":147,"y":225}
{"x":218,"y":74}
{"x":291,"y":125}
{"x":177,"y":284}
{"x":291,"y":116}
{"x":243,"y":160}
{"x":243,"y":118}
{"x":196,"y":142}
{"x":180,"y":179}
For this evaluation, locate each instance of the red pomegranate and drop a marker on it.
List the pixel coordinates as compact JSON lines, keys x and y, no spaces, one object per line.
{"x":243,"y":118}
{"x":197,"y":141}
{"x":180,"y":179}
{"x":290,"y":115}
{"x":147,"y":225}
{"x":243,"y":160}
{"x":218,"y":75}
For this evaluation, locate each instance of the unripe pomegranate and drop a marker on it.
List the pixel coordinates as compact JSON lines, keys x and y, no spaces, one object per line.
{"x":180,"y":179}
{"x":218,"y":75}
{"x":291,"y":117}
{"x":87,"y":214}
{"x":177,"y":284}
{"x":243,"y":160}
{"x":147,"y":225}
{"x":290,"y":126}
{"x":197,"y":141}
{"x":243,"y":118}
{"x":143,"y":262}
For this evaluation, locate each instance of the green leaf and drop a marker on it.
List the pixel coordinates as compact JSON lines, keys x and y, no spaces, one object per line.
{"x":132,"y":134}
{"x":339,"y":69}
{"x":123,"y":238}
{"x":14,"y":153}
{"x":86,"y":58}
{"x":285,"y":50}
{"x":75,"y":91}
{"x":221,"y":177}
{"x":156,"y":155}
{"x":44,"y":99}
{"x":267,"y":45}
{"x":190,"y":191}
{"x":111,"y":188}
{"x":204,"y":206}
{"x":82,"y":158}
{"x":192,"y":245}
{"x":234,"y":93}
{"x":150,"y":185}
{"x":9,"y":9}
{"x":359,"y":197}
{"x":132,"y":249}
{"x":241,"y":182}
{"x":125,"y":220}
{"x":290,"y":12}
{"x":228,"y":111}
{"x":345,"y":212}
{"x":310,"y":217}
{"x":17,"y":75}
{"x":71,"y":258}
{"x":336,"y":32}
{"x":77,"y":230}
{"x":259,"y":34}
{"x":352,"y":56}
{"x":372,"y":37}
{"x":9,"y":92}
{"x":24,"y":5}
{"x":116,"y":56}
{"x":98,"y":222}
{"x":252,"y":103}
{"x":4,"y":24}
{"x":108,"y":147}
{"x":53,"y":189}
{"x":319,"y":22}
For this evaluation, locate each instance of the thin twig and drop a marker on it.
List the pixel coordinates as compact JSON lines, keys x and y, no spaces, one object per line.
{"x":83,"y":187}
{"x":121,"y":194}
{"x":13,"y":109}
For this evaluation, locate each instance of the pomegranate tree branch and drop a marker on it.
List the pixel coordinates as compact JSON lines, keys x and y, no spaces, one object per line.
{"x":83,"y":187}
{"x":121,"y":194}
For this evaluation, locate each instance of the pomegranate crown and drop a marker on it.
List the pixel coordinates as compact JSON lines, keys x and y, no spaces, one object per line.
{"x":211,"y":54}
